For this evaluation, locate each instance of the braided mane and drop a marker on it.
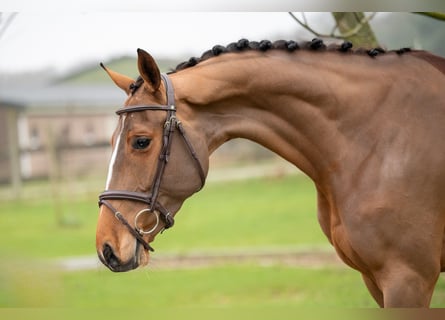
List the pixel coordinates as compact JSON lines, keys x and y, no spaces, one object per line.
{"x":290,"y":46}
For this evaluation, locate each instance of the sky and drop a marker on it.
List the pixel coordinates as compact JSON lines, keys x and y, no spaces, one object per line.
{"x":64,"y":34}
{"x":62,"y":41}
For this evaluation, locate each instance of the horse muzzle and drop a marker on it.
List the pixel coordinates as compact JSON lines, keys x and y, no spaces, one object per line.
{"x":108,"y":256}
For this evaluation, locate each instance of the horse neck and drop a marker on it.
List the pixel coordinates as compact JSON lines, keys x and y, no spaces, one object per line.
{"x":280,"y":101}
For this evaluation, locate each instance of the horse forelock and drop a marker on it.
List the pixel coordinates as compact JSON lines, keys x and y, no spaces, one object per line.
{"x":315,"y":44}
{"x":135,"y":85}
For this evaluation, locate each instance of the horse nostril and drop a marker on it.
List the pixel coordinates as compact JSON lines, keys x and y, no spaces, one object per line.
{"x":110,"y":258}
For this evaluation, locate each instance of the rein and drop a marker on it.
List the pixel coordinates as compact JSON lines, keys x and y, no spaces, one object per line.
{"x":154,"y":207}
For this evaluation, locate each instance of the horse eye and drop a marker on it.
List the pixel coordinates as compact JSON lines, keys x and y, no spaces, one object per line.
{"x":141,"y":143}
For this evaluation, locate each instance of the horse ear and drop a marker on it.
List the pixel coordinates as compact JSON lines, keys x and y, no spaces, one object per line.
{"x":149,"y":70}
{"x":120,"y":80}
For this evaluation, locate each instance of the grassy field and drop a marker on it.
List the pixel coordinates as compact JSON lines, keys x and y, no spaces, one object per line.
{"x":266,"y":212}
{"x":251,"y":214}
{"x":227,"y":286}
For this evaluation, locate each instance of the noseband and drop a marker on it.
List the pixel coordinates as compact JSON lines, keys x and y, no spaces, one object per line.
{"x":171,"y":123}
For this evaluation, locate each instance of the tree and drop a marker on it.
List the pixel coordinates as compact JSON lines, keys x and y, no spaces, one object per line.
{"x":351,"y":26}
{"x":434,"y":15}
{"x":354,"y":27}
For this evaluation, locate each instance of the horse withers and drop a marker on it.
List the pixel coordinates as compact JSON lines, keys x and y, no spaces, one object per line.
{"x":366,"y":126}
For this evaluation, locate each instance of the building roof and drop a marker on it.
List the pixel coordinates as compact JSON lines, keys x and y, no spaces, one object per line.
{"x":62,"y":96}
{"x":88,"y":88}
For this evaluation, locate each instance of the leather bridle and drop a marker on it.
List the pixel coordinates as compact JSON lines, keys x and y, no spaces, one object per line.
{"x":154,"y":207}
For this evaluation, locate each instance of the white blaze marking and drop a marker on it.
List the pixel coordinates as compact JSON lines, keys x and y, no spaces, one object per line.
{"x":114,"y":154}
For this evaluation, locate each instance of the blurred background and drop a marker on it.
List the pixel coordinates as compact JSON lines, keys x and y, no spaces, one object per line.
{"x":56,"y":119}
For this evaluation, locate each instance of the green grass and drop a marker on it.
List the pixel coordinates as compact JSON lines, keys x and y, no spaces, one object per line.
{"x":248,"y":214}
{"x":260,"y":213}
{"x":227,"y":287}
{"x":252,"y":213}
{"x":242,"y":286}
{"x":230,"y":286}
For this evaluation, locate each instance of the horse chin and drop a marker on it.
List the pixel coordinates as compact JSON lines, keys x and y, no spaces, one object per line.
{"x":143,"y":257}
{"x":140,"y":259}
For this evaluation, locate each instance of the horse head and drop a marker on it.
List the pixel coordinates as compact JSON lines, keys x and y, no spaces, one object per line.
{"x":158,"y":160}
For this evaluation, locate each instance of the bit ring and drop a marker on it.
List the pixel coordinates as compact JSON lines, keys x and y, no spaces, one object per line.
{"x":141,"y":231}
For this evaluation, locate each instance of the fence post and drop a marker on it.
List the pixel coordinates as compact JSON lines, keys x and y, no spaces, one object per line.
{"x":14,"y":152}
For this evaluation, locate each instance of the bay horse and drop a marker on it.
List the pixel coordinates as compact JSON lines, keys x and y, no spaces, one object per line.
{"x":367,"y":126}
